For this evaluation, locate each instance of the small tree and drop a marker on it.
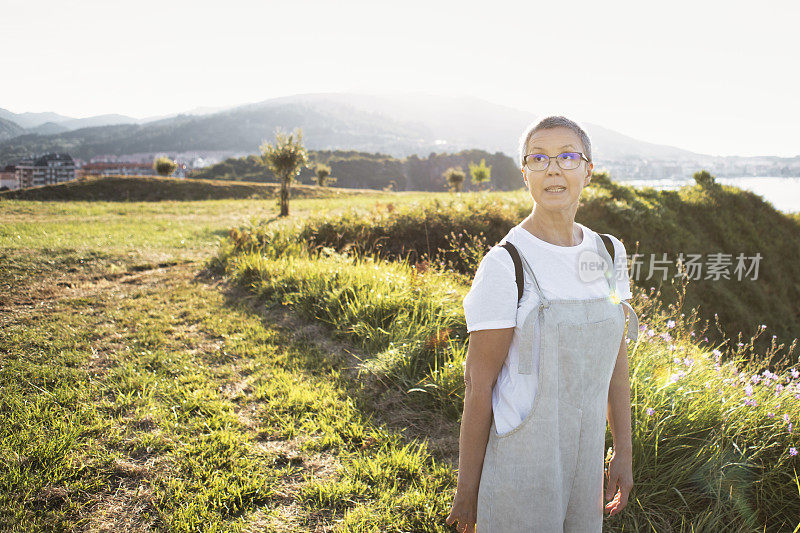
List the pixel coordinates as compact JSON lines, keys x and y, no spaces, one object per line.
{"x":704,"y":179}
{"x":454,"y":176}
{"x":164,"y":166}
{"x":323,"y":173}
{"x":480,"y":173}
{"x":286,"y":158}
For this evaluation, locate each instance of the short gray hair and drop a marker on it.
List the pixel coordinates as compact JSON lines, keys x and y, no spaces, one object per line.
{"x":554,"y":122}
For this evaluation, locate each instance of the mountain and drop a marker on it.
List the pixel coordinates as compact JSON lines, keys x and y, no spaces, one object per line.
{"x":31,"y":120}
{"x":48,"y":128}
{"x":43,"y":123}
{"x":96,"y":121}
{"x":9,"y":129}
{"x":239,"y":130}
{"x":396,"y":125}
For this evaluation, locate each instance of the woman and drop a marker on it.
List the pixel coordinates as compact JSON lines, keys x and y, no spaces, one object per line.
{"x":543,"y":373}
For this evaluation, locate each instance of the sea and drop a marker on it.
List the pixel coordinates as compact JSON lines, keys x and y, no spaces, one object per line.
{"x":782,"y":192}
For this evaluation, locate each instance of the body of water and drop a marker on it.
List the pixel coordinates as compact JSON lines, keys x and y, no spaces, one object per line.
{"x":783,"y":193}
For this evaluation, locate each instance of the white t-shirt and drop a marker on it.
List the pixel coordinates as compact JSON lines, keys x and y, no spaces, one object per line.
{"x":491,"y":303}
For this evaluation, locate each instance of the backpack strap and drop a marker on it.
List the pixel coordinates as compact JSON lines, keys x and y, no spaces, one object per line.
{"x":609,"y":246}
{"x":512,"y":250}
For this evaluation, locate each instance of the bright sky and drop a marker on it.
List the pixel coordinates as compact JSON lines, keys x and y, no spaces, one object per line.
{"x":712,"y":77}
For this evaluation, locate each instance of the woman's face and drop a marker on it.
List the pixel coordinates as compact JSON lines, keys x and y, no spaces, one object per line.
{"x":552,"y":142}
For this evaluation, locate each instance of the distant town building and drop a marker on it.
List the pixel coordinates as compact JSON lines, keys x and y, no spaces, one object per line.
{"x":45,"y":170}
{"x":8,"y":178}
{"x":117,"y":169}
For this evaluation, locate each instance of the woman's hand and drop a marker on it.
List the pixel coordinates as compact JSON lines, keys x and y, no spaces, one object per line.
{"x":620,"y":476}
{"x":464,"y":511}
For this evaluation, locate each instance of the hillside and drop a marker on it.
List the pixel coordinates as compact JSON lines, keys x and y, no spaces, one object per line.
{"x":154,"y":189}
{"x":9,"y":129}
{"x":241,"y":129}
{"x":396,"y":125}
{"x":456,"y":231}
{"x":399,"y":125}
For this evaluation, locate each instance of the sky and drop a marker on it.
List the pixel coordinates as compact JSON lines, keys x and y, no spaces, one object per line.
{"x":713,"y":77}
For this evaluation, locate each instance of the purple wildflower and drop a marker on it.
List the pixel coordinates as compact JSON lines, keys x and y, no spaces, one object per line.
{"x":676,"y":377}
{"x":717,"y":353}
{"x":786,"y":418}
{"x":650,"y":411}
{"x":792,"y":451}
{"x":795,"y":373}
{"x":650,"y":332}
{"x":670,"y":323}
{"x":770,"y":414}
{"x":750,"y":402}
{"x":748,"y":390}
{"x":666,"y":336}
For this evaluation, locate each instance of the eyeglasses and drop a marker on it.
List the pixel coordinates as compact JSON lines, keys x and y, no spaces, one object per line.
{"x":566,"y":160}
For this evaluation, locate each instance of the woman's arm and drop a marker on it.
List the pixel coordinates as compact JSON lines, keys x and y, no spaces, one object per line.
{"x":620,"y":468}
{"x":486,"y":352}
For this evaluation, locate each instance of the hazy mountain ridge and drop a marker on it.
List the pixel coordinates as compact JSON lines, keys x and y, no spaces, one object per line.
{"x":397,"y":125}
{"x":9,"y":129}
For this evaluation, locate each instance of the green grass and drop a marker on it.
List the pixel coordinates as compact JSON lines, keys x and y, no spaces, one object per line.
{"x":138,"y":395}
{"x":455,"y":231}
{"x":702,"y":452}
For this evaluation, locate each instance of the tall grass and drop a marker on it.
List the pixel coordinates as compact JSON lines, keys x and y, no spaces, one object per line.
{"x":714,"y":431}
{"x":457,"y":230}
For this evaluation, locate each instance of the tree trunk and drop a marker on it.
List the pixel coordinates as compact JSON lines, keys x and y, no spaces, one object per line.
{"x":284,"y":196}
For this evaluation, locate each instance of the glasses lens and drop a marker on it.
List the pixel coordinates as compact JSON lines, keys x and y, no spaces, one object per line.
{"x":537,"y":161}
{"x":569,"y":160}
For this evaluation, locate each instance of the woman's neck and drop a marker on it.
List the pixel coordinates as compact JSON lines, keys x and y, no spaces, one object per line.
{"x":557,"y":231}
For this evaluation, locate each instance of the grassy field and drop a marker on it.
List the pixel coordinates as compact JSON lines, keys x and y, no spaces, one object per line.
{"x":154,"y":376}
{"x":140,"y":394}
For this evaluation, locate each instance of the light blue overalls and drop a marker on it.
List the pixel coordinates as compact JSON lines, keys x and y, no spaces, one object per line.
{"x":546,"y":475}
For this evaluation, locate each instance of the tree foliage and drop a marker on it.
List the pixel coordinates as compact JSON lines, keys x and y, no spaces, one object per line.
{"x":164,"y":166}
{"x":454,"y":177}
{"x":704,"y":179}
{"x":480,"y":173}
{"x":363,"y":170}
{"x":322,"y":173}
{"x":285,"y":158}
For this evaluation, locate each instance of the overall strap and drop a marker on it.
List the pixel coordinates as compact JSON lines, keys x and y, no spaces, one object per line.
{"x":525,"y":363}
{"x":607,"y":254}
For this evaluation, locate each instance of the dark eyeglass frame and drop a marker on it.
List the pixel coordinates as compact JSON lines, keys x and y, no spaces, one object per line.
{"x":558,"y":161}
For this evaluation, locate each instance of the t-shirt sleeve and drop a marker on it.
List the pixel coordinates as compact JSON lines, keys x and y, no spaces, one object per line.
{"x":621,"y":270}
{"x":491,"y":302}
